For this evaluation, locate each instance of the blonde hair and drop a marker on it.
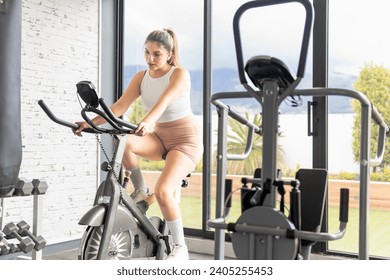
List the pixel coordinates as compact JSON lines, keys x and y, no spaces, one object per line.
{"x":167,"y":39}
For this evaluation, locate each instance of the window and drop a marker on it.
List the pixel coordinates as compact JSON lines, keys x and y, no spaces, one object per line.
{"x":186,"y":19}
{"x":277,"y":31}
{"x":358,"y":41}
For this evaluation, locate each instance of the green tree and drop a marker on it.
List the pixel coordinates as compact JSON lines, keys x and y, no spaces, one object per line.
{"x":137,"y":112}
{"x":236,"y":142}
{"x":374,"y":82}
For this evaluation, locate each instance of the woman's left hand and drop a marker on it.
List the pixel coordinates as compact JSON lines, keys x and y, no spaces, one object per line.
{"x":142,"y":129}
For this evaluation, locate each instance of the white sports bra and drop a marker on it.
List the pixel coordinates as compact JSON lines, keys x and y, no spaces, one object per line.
{"x":153,"y":88}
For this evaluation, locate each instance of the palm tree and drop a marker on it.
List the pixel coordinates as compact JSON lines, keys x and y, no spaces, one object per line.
{"x":237,"y":138}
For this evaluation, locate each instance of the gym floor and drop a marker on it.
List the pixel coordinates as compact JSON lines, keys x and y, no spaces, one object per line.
{"x":72,"y":255}
{"x":199,"y":250}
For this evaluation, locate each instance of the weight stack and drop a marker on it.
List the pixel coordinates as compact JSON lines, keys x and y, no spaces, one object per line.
{"x":10,"y":84}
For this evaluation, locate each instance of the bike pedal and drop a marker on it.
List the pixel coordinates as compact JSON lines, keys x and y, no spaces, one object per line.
{"x":143,"y":206}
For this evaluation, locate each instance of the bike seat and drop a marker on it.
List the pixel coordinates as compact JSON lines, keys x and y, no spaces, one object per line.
{"x":265,"y":68}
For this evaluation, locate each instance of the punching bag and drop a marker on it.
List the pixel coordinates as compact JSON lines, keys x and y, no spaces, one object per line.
{"x":10,"y":119}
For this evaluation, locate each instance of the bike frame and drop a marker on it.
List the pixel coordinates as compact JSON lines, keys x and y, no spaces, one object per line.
{"x":112,"y":189}
{"x":112,"y":207}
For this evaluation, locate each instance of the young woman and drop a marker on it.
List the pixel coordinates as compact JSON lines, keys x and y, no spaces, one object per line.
{"x":168,"y":130}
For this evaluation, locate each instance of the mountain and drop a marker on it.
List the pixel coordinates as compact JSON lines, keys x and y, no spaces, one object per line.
{"x":225,"y":80}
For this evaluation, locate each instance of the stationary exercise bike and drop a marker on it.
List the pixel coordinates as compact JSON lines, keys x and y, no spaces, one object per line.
{"x":265,"y":231}
{"x":117,"y":227}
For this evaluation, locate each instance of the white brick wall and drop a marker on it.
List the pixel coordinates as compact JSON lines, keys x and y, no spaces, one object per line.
{"x":60,"y":46}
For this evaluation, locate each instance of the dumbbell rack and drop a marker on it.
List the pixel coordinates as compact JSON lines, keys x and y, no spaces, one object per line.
{"x":37,"y":188}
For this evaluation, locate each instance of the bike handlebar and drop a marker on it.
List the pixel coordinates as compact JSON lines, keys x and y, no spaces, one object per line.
{"x":114,"y":118}
{"x":50,"y":114}
{"x":108,"y":115}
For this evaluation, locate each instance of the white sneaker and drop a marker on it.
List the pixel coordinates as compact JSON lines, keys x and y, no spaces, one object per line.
{"x":179,"y":253}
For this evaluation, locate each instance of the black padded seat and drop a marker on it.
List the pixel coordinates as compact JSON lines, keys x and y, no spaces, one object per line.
{"x":264,"y":68}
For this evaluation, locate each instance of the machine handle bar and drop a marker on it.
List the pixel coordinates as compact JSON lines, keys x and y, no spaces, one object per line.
{"x":219,"y":223}
{"x":262,"y":3}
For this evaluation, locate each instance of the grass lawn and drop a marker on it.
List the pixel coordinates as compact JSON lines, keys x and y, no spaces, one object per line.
{"x":379,"y":227}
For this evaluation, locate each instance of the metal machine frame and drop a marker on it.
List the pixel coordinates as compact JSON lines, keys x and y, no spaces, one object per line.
{"x":270,"y":96}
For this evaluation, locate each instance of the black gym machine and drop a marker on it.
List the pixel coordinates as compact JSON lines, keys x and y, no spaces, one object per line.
{"x":264,"y":231}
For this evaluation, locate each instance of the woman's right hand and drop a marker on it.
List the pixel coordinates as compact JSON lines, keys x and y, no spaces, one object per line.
{"x":82,"y":126}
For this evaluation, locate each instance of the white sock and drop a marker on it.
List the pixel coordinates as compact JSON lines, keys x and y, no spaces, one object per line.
{"x":137,"y":179}
{"x":177,"y":231}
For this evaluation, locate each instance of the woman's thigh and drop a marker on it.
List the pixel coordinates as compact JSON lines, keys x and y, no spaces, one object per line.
{"x":148,"y":146}
{"x":177,"y":166}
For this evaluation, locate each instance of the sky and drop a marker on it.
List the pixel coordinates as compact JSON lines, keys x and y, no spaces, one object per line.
{"x":359,"y":31}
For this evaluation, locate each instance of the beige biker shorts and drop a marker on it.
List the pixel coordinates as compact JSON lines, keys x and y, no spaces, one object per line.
{"x":181,"y":135}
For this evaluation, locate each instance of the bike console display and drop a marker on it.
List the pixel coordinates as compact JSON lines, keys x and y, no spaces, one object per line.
{"x":87,"y":92}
